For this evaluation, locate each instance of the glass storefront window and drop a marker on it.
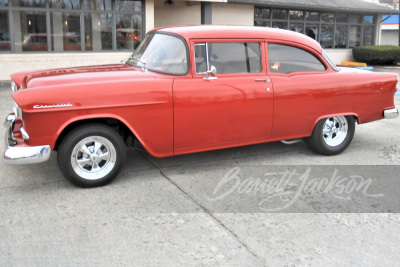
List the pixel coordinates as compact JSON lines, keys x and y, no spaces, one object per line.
{"x":368,"y":20}
{"x":342,"y":17}
{"x":65,"y":32}
{"x":70,"y":4}
{"x":296,"y":15}
{"x":262,"y":13}
{"x":30,"y":32}
{"x":128,"y":5}
{"x":129,"y":32}
{"x":312,"y":16}
{"x":328,"y":17}
{"x":5,"y":44}
{"x":279,"y":14}
{"x":98,"y":31}
{"x":312,"y":31}
{"x":29,"y":3}
{"x":97,"y":4}
{"x":355,"y":19}
{"x":262,"y":23}
{"x":278,"y":24}
{"x":326,"y":40}
{"x":341,"y":36}
{"x":354,"y":36}
{"x":368,"y":35}
{"x":296,"y":27}
{"x":330,"y":29}
{"x":64,"y":25}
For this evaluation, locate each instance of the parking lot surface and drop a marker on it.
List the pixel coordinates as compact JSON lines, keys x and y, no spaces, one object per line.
{"x":172,"y":212}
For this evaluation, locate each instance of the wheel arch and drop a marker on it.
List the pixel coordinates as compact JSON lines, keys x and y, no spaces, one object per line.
{"x":355,"y":116}
{"x":118,"y":124}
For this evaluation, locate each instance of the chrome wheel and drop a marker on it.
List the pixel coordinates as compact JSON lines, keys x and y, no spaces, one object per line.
{"x":335,"y":130}
{"x":93,"y":157}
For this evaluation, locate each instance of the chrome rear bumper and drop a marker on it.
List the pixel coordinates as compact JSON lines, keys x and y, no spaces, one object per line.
{"x":391,"y":113}
{"x":18,"y":155}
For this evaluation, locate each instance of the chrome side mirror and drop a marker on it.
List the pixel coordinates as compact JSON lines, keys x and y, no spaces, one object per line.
{"x":210,"y":75}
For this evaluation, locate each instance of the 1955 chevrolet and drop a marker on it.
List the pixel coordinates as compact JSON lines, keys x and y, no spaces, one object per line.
{"x":191,"y":89}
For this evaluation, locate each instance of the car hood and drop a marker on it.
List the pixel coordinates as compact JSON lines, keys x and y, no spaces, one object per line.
{"x":79,"y":75}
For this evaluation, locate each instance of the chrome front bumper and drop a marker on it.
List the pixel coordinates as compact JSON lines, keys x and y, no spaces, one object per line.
{"x":391,"y":113}
{"x":18,"y":155}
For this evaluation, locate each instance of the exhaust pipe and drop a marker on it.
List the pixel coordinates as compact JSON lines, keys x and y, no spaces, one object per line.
{"x":291,"y":142}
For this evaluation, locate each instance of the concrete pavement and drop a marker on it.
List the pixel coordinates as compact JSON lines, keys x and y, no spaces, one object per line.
{"x":158,"y":211}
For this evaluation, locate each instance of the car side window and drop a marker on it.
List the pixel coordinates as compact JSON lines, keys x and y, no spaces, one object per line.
{"x":288,"y":59}
{"x":228,"y":57}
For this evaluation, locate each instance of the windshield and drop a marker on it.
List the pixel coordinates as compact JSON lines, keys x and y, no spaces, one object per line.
{"x":161,"y":53}
{"x":329,"y":60}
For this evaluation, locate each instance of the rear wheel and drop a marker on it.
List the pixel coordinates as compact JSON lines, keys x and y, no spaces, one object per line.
{"x":91,"y":155}
{"x":331,"y":136}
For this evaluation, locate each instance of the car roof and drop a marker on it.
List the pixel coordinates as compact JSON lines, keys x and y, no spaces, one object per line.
{"x":246,"y":32}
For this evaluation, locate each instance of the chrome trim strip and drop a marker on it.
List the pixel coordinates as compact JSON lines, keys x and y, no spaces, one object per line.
{"x":263,"y":80}
{"x":22,"y":155}
{"x":25,"y":135}
{"x":208,"y":62}
{"x":9,"y":120}
{"x":26,"y":155}
{"x":391,"y":113}
{"x":14,"y":87}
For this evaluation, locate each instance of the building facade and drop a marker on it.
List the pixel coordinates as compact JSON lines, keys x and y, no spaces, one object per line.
{"x":41,"y":34}
{"x":390,"y":30}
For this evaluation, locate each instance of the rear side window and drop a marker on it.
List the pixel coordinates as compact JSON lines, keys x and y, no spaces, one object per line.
{"x":228,"y":57}
{"x":288,"y":59}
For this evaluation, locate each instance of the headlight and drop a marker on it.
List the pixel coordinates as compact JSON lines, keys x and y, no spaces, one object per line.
{"x":18,"y":111}
{"x":14,"y":87}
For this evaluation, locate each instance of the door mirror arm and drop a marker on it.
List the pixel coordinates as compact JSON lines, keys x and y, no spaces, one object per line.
{"x":210,"y":74}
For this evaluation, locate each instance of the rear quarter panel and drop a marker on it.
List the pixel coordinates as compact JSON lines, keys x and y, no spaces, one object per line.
{"x":302,"y":99}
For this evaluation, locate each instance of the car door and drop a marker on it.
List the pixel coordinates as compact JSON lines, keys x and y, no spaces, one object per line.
{"x":304,"y":88}
{"x":234,"y":107}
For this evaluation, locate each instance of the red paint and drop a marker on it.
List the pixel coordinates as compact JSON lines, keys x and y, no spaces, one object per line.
{"x":173,"y":115}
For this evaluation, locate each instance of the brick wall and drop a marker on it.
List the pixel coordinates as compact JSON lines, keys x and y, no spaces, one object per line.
{"x":228,"y":14}
{"x":182,"y":13}
{"x":11,"y":63}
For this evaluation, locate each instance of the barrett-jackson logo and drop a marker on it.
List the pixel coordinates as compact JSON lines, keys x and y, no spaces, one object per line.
{"x":53,"y":106}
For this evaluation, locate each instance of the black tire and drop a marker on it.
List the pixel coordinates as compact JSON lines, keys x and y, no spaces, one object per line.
{"x":332,"y":143}
{"x":103,"y":162}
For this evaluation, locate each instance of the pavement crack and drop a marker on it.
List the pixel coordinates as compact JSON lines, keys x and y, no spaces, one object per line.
{"x":226,"y":228}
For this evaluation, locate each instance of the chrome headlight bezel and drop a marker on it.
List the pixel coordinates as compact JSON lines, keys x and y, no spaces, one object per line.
{"x":14,"y":87}
{"x":17,"y":111}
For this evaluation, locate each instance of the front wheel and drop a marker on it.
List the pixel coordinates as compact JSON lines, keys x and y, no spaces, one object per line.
{"x":91,"y":155}
{"x":331,"y":136}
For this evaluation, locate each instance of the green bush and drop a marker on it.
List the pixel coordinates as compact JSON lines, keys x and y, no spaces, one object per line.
{"x":377,"y":55}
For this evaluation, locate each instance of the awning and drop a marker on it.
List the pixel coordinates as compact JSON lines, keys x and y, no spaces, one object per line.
{"x":357,"y":6}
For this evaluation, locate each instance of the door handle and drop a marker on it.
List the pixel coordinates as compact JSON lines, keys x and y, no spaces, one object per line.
{"x":263,"y":80}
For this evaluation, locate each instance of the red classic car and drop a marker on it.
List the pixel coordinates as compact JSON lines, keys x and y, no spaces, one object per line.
{"x":191,"y":89}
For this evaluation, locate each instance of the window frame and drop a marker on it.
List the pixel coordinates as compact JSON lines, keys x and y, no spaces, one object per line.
{"x":261,"y":42}
{"x":317,"y":55}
